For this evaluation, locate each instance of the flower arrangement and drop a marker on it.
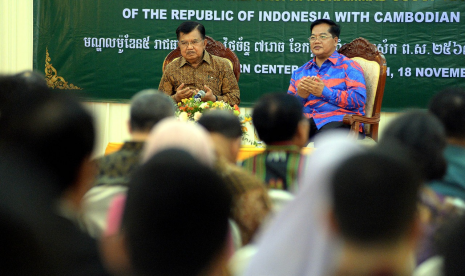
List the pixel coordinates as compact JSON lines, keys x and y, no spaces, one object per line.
{"x":191,"y":109}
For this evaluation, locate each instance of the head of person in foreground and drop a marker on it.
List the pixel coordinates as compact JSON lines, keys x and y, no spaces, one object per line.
{"x":176,"y":217}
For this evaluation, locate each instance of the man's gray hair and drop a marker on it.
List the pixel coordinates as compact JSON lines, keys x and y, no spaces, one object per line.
{"x":148,"y":107}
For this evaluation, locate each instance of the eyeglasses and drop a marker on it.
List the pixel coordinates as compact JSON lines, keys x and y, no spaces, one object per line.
{"x":194,"y":43}
{"x":313,"y":38}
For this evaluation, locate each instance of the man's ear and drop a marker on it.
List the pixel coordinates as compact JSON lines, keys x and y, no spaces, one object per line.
{"x":301,"y":135}
{"x":235,"y":148}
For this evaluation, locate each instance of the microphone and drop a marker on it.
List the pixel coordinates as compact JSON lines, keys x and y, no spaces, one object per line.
{"x":199,"y":96}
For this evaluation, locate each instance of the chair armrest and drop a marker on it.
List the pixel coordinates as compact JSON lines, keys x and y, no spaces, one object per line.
{"x":355,"y":120}
{"x":350,"y":119}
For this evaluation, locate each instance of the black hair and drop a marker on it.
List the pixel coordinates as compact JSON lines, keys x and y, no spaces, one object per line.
{"x":424,"y":140}
{"x":449,"y":106}
{"x":375,"y":197}
{"x":176,"y":216}
{"x":33,"y":80}
{"x":189,"y":26}
{"x":45,"y":124}
{"x":148,"y":107}
{"x":223,"y":122}
{"x":276,"y":117}
{"x":58,"y":132}
{"x":334,"y":29}
{"x":22,"y":91}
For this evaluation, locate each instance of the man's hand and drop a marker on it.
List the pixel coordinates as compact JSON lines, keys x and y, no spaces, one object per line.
{"x":183,"y":93}
{"x":310,"y":85}
{"x":303,"y":88}
{"x":316,"y":86}
{"x":208,"y":95}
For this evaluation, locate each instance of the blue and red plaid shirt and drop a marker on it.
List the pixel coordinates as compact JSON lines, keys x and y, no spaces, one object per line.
{"x":344,"y":92}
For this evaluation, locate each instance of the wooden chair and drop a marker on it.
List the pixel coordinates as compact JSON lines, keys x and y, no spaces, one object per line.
{"x":214,"y":48}
{"x":374,"y":68}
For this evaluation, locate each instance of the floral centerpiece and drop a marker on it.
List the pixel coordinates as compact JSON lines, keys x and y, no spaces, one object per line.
{"x":191,"y":109}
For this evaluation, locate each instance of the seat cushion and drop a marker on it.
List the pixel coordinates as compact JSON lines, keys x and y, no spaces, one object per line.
{"x":371,"y":70}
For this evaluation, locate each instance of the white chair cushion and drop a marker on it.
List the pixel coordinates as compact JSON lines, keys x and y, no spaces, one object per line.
{"x":371,"y":70}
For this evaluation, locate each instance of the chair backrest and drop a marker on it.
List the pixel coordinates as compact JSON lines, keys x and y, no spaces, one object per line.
{"x":214,"y":48}
{"x":374,"y":68}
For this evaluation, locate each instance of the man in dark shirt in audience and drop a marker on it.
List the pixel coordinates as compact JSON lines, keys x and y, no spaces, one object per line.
{"x":374,"y":197}
{"x":279,"y":121}
{"x":43,"y":177}
{"x":176,"y":217}
{"x":148,"y":107}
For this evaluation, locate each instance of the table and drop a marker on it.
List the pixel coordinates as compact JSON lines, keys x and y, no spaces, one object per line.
{"x":244,"y":153}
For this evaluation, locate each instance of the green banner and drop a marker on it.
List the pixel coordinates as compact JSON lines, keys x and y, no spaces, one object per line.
{"x":108,"y":50}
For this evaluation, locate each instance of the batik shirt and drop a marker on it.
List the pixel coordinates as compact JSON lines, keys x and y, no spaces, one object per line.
{"x":250,"y":201}
{"x":214,"y":72}
{"x":344,"y":92}
{"x":116,"y":168}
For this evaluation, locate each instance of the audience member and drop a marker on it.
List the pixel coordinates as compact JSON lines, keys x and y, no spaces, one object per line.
{"x":148,"y":107}
{"x":423,"y":139}
{"x":176,"y":217}
{"x":375,"y":213}
{"x":279,"y":121}
{"x":330,"y":85}
{"x":43,"y":178}
{"x":45,"y":132}
{"x":298,"y":240}
{"x":251,"y":203}
{"x":22,"y":90}
{"x":449,"y":107}
{"x":225,"y":131}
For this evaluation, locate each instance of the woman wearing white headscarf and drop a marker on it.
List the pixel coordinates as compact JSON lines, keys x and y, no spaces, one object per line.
{"x":298,"y":242}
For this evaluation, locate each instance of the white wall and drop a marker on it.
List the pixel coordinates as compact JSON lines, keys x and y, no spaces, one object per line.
{"x":111,"y":124}
{"x":16,"y":48}
{"x":15,"y":35}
